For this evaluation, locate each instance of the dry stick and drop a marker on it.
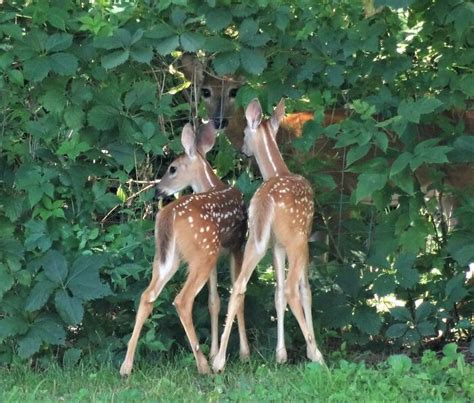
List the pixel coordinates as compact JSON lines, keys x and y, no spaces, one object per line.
{"x":151,"y":184}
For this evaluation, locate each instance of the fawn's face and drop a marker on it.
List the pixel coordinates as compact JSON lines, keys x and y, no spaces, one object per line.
{"x":180,"y":174}
{"x":189,"y":167}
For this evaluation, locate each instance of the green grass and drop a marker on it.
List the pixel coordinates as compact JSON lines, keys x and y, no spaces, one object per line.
{"x":397,"y":379}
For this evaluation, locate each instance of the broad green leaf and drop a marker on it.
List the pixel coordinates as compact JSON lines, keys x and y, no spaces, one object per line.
{"x":160,"y":31}
{"x":356,"y":153}
{"x":53,"y":100}
{"x":109,"y":42}
{"x":192,"y":41}
{"x":16,"y":77}
{"x":412,"y":110}
{"x":367,"y":320}
{"x":74,"y":117}
{"x":39,"y":295}
{"x":58,"y":42}
{"x":141,"y":54}
{"x":399,"y":363}
{"x":6,"y":280}
{"x":400,"y":163}
{"x":55,"y":266}
{"x":396,"y":331}
{"x":71,"y":357}
{"x":226,"y":63}
{"x":248,"y":30}
{"x":423,"y":311}
{"x":335,"y":75}
{"x":124,"y":154}
{"x":406,"y":275}
{"x":12,"y":326}
{"x":218,"y":19}
{"x":28,"y":345}
{"x":253,"y":60}
{"x":218,"y":44}
{"x":312,"y":130}
{"x":37,"y":69}
{"x":103,"y":117}
{"x":426,"y":328}
{"x":84,"y":280}
{"x":384,"y":285}
{"x":65,"y":64}
{"x":37,"y":236}
{"x":401,"y":313}
{"x":166,"y":46}
{"x":368,"y":183}
{"x":69,"y":308}
{"x":115,"y":59}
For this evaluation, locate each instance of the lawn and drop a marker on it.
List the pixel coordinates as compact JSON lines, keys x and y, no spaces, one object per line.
{"x":433,"y":378}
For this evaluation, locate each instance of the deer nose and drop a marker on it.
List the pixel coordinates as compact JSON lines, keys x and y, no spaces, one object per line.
{"x":220,"y":123}
{"x":159,"y":194}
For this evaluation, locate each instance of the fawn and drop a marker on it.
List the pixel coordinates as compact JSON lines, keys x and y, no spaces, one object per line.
{"x":194,"y":229}
{"x":280,"y":213}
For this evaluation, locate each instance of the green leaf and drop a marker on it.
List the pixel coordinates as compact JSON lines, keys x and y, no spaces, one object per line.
{"x":71,"y":357}
{"x":84,"y":280}
{"x":368,"y":183}
{"x":58,"y":42}
{"x":69,"y":308}
{"x":37,"y":236}
{"x":401,"y":313}
{"x":450,"y":350}
{"x":64,"y":64}
{"x":253,"y":60}
{"x":115,"y":59}
{"x":55,"y":266}
{"x":400,"y":163}
{"x":396,"y":331}
{"x":16,"y":77}
{"x":356,"y":153}
{"x":74,"y":117}
{"x":103,"y":117}
{"x":412,"y":110}
{"x":367,"y":320}
{"x":400,"y":363}
{"x":141,"y":54}
{"x":124,"y":154}
{"x":166,"y":46}
{"x":39,"y":295}
{"x":423,"y":311}
{"x":218,"y":19}
{"x":406,"y":275}
{"x":28,"y":345}
{"x":12,"y":326}
{"x":6,"y":280}
{"x":426,"y":328}
{"x":384,"y":285}
{"x":335,"y":75}
{"x":312,"y":130}
{"x":226,"y":63}
{"x":37,"y":69}
{"x":192,"y":41}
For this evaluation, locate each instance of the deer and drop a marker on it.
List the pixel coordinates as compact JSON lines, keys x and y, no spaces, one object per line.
{"x":280,"y":214}
{"x":218,"y":95}
{"x":194,"y":228}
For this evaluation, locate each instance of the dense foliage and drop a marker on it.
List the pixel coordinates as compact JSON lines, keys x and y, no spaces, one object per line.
{"x":90,"y":108}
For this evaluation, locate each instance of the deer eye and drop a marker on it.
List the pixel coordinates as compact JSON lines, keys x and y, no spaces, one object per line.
{"x":173,"y":169}
{"x":206,"y":92}
{"x":233,"y":92}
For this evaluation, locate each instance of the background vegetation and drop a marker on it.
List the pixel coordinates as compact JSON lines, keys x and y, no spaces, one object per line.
{"x":91,"y":107}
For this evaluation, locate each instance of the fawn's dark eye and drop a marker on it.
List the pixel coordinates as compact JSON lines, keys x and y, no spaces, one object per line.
{"x":206,"y":92}
{"x":173,"y":169}
{"x":233,"y":92}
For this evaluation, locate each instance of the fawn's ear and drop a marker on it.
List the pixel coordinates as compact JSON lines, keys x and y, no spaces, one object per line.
{"x":253,"y":114}
{"x":188,"y":140}
{"x":278,"y":115}
{"x":206,"y":138}
{"x":192,"y":68}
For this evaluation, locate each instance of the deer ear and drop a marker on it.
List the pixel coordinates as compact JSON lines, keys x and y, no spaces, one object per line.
{"x":192,"y":68}
{"x":206,"y":138}
{"x":188,"y":140}
{"x":253,"y":114}
{"x":278,"y":114}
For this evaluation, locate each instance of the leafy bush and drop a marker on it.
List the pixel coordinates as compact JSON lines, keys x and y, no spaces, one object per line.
{"x":91,"y":102}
